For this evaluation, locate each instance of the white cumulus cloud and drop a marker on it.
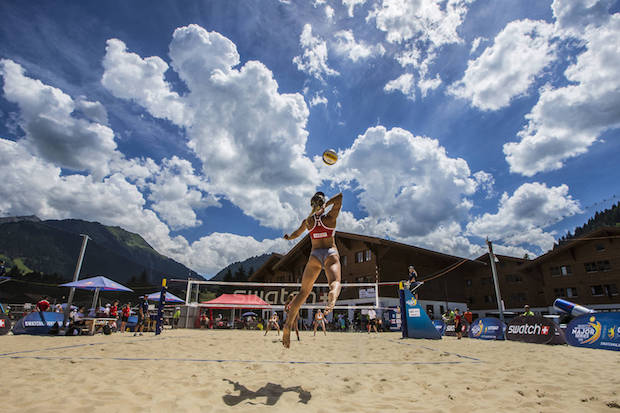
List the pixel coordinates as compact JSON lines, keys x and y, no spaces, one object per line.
{"x":51,"y":128}
{"x":522,"y":216}
{"x":313,"y":59}
{"x":567,"y":120}
{"x":346,"y":45}
{"x":509,"y":67}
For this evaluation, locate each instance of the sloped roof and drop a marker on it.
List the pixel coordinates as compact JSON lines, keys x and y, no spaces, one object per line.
{"x":599,"y":234}
{"x":305,"y":243}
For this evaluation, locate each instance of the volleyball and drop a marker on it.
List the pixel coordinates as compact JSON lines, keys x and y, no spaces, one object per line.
{"x":330,"y":156}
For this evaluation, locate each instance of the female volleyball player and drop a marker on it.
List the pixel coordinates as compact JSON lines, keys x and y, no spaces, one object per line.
{"x":287,"y":308}
{"x":324,"y":255}
{"x":273,"y":323}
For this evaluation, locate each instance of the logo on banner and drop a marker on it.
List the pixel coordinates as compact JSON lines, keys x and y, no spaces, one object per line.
{"x":477,"y":329}
{"x":587,"y":333}
{"x":412,"y":302}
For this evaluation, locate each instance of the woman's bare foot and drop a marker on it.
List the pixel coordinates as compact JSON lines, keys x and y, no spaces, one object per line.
{"x":286,"y":336}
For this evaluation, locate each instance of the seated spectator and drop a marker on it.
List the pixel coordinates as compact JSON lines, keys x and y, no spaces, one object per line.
{"x":43,"y":305}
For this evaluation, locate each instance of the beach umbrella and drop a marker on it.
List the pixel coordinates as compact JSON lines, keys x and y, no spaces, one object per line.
{"x":170,"y":298}
{"x":249,"y":313}
{"x":99,"y":283}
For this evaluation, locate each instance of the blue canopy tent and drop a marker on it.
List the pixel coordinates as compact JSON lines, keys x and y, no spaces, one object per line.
{"x":97,"y":284}
{"x":170,"y":298}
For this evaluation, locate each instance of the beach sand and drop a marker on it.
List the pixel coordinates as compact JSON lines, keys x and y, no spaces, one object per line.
{"x":229,"y":371}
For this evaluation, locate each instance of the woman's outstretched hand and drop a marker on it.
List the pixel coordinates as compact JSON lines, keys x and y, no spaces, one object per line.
{"x":286,"y":236}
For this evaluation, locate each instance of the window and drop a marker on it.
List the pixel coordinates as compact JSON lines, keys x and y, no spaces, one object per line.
{"x":359,"y":256}
{"x":343,"y":260}
{"x":486,"y":280}
{"x":468,"y":283}
{"x":561,"y":270}
{"x":603,"y":265}
{"x":607,"y":289}
{"x":610,"y":289}
{"x":599,"y":247}
{"x":590,"y":266}
{"x":571,"y":292}
{"x":367,"y":255}
{"x":470,"y":300}
{"x":559,"y":292}
{"x":515,"y":278}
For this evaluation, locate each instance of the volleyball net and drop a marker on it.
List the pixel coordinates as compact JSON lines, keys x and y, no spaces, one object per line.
{"x":273,"y":296}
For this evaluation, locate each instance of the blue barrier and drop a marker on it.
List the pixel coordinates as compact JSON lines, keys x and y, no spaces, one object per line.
{"x":440,"y":326}
{"x":488,"y":328}
{"x":414,"y":320}
{"x":595,"y":330}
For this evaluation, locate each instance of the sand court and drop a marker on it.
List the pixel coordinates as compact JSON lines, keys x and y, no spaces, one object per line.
{"x":232,"y":370}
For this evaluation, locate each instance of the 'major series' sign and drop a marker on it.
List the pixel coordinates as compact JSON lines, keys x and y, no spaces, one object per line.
{"x":488,"y":328}
{"x":595,"y":330}
{"x":534,"y":329}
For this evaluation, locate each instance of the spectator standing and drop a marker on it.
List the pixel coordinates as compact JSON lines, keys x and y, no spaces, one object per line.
{"x":458,"y":326}
{"x":528,"y":312}
{"x":125,"y":313}
{"x":372,"y":320}
{"x":143,"y":313}
{"x":469,"y":317}
{"x":176,"y":317}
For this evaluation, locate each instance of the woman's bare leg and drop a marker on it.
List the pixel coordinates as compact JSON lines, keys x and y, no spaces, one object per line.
{"x":268,"y":326}
{"x":315,"y":326}
{"x":332,"y":271}
{"x":311,"y":272}
{"x":296,"y":327}
{"x":323,"y":325}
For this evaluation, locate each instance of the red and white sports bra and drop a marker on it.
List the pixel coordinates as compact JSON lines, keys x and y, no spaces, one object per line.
{"x":320,"y":231}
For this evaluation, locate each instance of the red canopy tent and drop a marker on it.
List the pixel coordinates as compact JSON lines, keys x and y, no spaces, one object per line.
{"x":232,"y":301}
{"x":237,"y":301}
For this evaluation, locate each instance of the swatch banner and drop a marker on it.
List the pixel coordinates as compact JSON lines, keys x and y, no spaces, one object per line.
{"x":450,"y":331}
{"x":534,"y":329}
{"x":37,"y":323}
{"x":595,"y":330}
{"x":440,"y":326}
{"x":488,"y":328}
{"x":5,"y":324}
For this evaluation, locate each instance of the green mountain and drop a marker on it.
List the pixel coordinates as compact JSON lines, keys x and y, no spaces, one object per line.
{"x":241,"y":270}
{"x":53,"y":247}
{"x":609,"y":217}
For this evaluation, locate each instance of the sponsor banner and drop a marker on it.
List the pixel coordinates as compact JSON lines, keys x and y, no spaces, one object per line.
{"x":440,"y":326}
{"x":394,"y":319}
{"x":5,"y":324}
{"x":450,"y":329}
{"x":595,"y":330}
{"x":534,"y":329}
{"x":37,"y":323}
{"x":489,"y":328}
{"x":367,"y":292}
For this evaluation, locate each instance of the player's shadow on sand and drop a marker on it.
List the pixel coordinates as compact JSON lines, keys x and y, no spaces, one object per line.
{"x":271,"y":391}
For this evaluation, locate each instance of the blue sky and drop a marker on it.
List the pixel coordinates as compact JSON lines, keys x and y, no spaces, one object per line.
{"x":199,"y":125}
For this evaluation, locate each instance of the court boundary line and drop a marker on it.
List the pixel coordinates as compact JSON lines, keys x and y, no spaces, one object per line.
{"x":434,"y":349}
{"x":244,"y":361}
{"x":86,"y":345}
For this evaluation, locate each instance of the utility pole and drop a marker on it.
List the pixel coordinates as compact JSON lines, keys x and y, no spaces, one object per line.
{"x":492,"y":258}
{"x":76,"y":275}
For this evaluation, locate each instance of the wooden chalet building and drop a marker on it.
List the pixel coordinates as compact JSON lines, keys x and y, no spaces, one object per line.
{"x":370,"y":259}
